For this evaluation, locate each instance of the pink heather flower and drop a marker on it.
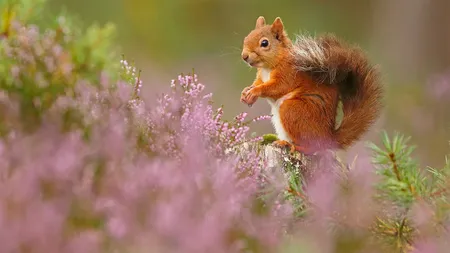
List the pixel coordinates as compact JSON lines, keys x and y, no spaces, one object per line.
{"x":86,"y":241}
{"x":50,"y":64}
{"x":57,"y":50}
{"x":262,"y":117}
{"x":422,"y":215}
{"x":15,"y":71}
{"x":439,"y":86}
{"x":427,"y":246}
{"x":241,"y":117}
{"x":320,"y":192}
{"x":40,"y":80}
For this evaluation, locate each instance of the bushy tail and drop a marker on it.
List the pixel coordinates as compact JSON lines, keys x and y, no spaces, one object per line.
{"x":332,"y":62}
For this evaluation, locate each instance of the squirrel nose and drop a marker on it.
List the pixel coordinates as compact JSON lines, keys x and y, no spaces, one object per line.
{"x":245,"y":56}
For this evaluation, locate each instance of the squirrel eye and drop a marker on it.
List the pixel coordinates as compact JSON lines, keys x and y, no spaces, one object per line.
{"x":264,"y":43}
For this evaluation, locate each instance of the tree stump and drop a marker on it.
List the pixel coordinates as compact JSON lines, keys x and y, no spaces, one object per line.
{"x":277,"y":160}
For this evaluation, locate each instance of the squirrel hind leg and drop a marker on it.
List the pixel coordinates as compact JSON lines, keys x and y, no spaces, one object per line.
{"x":285,"y":144}
{"x":306,"y":122}
{"x":293,"y":147}
{"x":303,"y":150}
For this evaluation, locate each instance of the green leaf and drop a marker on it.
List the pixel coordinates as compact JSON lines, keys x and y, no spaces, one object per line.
{"x":8,"y":15}
{"x":386,"y":141}
{"x":396,"y":143}
{"x":268,"y":139}
{"x":376,"y":149}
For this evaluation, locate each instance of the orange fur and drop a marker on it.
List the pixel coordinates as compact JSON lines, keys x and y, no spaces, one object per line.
{"x":307,"y":79}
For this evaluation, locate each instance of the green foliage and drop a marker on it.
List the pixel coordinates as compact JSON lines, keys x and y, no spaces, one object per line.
{"x":39,"y":65}
{"x":402,"y":178}
{"x":402,"y":191}
{"x":403,"y":186}
{"x":269,"y":138}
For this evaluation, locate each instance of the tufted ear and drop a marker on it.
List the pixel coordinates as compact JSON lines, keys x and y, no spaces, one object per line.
{"x":260,"y":22}
{"x":277,"y":27}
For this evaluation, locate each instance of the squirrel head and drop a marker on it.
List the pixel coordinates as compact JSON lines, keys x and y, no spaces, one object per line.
{"x":266,"y":44}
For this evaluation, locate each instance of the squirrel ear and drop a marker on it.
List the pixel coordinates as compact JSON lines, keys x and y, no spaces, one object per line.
{"x":277,"y":27}
{"x":260,"y":22}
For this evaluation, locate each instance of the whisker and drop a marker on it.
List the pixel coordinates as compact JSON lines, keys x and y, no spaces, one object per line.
{"x":231,"y":50}
{"x":238,"y":49}
{"x":225,"y":54}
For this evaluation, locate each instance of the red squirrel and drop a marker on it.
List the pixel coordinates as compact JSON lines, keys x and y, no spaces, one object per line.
{"x":303,"y":81}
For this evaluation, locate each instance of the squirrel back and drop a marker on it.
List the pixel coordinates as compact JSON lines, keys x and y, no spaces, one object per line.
{"x":331,"y":62}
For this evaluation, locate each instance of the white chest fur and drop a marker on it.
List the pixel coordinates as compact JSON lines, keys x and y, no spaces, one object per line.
{"x":275,"y":110}
{"x":265,"y":74}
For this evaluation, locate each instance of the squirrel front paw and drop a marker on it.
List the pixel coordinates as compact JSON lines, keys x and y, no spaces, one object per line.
{"x":244,"y":92}
{"x":249,"y":95}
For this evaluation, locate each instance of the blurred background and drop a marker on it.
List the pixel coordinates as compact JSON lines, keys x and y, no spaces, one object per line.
{"x":408,"y":39}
